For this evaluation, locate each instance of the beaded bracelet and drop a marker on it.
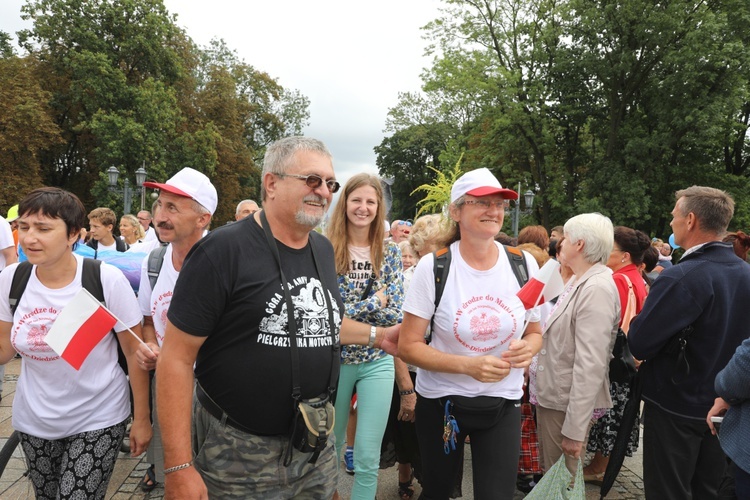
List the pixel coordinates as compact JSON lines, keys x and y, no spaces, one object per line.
{"x":406,"y":393}
{"x":177,"y":467}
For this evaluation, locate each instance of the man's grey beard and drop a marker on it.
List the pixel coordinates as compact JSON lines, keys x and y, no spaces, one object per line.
{"x":311,"y":221}
{"x":308,"y":220}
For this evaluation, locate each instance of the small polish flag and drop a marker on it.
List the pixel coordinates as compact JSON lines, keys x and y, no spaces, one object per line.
{"x":545,"y":286}
{"x":81,"y":325}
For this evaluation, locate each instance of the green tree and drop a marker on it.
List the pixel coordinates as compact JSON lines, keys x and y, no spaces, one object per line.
{"x":606,"y":105}
{"x":406,"y":157}
{"x":109,"y":67}
{"x":26,"y":128}
{"x":127,"y":87}
{"x":665,"y":78}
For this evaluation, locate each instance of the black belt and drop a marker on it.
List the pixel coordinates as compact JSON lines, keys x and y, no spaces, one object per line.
{"x":215,"y":410}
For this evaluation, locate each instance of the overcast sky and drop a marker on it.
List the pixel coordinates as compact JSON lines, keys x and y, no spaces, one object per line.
{"x":349,"y":58}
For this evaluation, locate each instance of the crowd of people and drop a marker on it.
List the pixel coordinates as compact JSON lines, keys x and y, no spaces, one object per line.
{"x":262,"y":358}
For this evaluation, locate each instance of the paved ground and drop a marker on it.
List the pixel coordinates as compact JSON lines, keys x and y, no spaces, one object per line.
{"x":129,"y":471}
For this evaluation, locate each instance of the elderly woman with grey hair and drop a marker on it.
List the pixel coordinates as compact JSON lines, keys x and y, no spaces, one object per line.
{"x":573,"y":371}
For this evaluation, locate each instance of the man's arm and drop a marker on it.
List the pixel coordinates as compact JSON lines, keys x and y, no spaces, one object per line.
{"x":174,"y":395}
{"x":733,"y":382}
{"x":354,"y":332}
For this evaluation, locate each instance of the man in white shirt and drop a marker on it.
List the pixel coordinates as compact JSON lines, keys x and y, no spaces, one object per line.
{"x":144,"y":217}
{"x":184,"y":209}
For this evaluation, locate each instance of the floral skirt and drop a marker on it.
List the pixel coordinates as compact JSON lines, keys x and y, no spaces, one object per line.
{"x":604,"y":430}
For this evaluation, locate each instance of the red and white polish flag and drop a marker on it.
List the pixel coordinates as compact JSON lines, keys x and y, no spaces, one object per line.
{"x":79,"y":327}
{"x":545,"y":286}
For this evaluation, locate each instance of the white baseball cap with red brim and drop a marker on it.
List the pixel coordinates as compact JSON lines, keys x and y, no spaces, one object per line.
{"x":192,"y":184}
{"x":480,"y":182}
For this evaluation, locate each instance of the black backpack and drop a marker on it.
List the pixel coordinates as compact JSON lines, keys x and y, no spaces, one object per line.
{"x":91,"y":279}
{"x":442,"y":264}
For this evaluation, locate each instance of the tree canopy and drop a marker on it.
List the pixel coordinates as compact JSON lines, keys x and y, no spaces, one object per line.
{"x":604,"y":105}
{"x":118,"y":83}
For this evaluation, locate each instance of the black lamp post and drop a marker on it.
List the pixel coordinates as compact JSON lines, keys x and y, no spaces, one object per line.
{"x":127,"y":192}
{"x":528,"y":197}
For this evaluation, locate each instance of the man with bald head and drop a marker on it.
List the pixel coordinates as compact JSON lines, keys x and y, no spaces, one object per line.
{"x":245,"y":208}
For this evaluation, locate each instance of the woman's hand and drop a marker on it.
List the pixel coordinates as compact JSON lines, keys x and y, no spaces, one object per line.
{"x":519,"y":353}
{"x":380,"y":294}
{"x":408,"y":404}
{"x":572,"y":448}
{"x":487,"y":368}
{"x":140,"y":436}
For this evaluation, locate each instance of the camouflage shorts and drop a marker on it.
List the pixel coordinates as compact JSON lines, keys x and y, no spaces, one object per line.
{"x":235,"y":464}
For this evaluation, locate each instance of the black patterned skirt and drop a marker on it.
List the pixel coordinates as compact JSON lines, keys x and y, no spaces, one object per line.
{"x":604,"y":430}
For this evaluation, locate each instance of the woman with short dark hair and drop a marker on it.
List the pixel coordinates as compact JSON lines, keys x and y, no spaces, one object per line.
{"x":71,"y":421}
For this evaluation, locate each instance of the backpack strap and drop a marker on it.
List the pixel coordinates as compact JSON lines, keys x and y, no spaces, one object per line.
{"x":155,"y":261}
{"x":440,"y":268}
{"x":18,"y":285}
{"x":91,"y":278}
{"x":518,"y":264}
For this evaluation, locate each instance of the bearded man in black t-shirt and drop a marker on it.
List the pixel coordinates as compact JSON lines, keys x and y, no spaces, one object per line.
{"x":228,"y":316}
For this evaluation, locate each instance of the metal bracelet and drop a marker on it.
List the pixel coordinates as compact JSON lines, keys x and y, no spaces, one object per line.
{"x":373,"y":334}
{"x":178,"y":467}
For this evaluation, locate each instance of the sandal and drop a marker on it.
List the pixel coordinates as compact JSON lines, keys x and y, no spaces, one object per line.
{"x":148,"y":482}
{"x":405,"y":490}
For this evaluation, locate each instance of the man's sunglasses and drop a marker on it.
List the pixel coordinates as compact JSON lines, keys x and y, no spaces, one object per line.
{"x":315,"y":181}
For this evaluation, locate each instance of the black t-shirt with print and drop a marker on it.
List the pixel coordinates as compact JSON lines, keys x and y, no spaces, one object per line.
{"x":229,"y":291}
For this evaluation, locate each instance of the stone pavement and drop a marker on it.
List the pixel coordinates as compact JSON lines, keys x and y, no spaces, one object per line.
{"x":129,"y":471}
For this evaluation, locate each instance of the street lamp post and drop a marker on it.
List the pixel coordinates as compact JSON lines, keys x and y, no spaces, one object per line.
{"x":127,"y":192}
{"x":528,"y":197}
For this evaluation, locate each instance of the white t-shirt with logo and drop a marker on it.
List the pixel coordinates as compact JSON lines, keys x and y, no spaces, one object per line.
{"x":479,"y":314}
{"x":52,"y":399}
{"x":155,"y":303}
{"x":6,"y":239}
